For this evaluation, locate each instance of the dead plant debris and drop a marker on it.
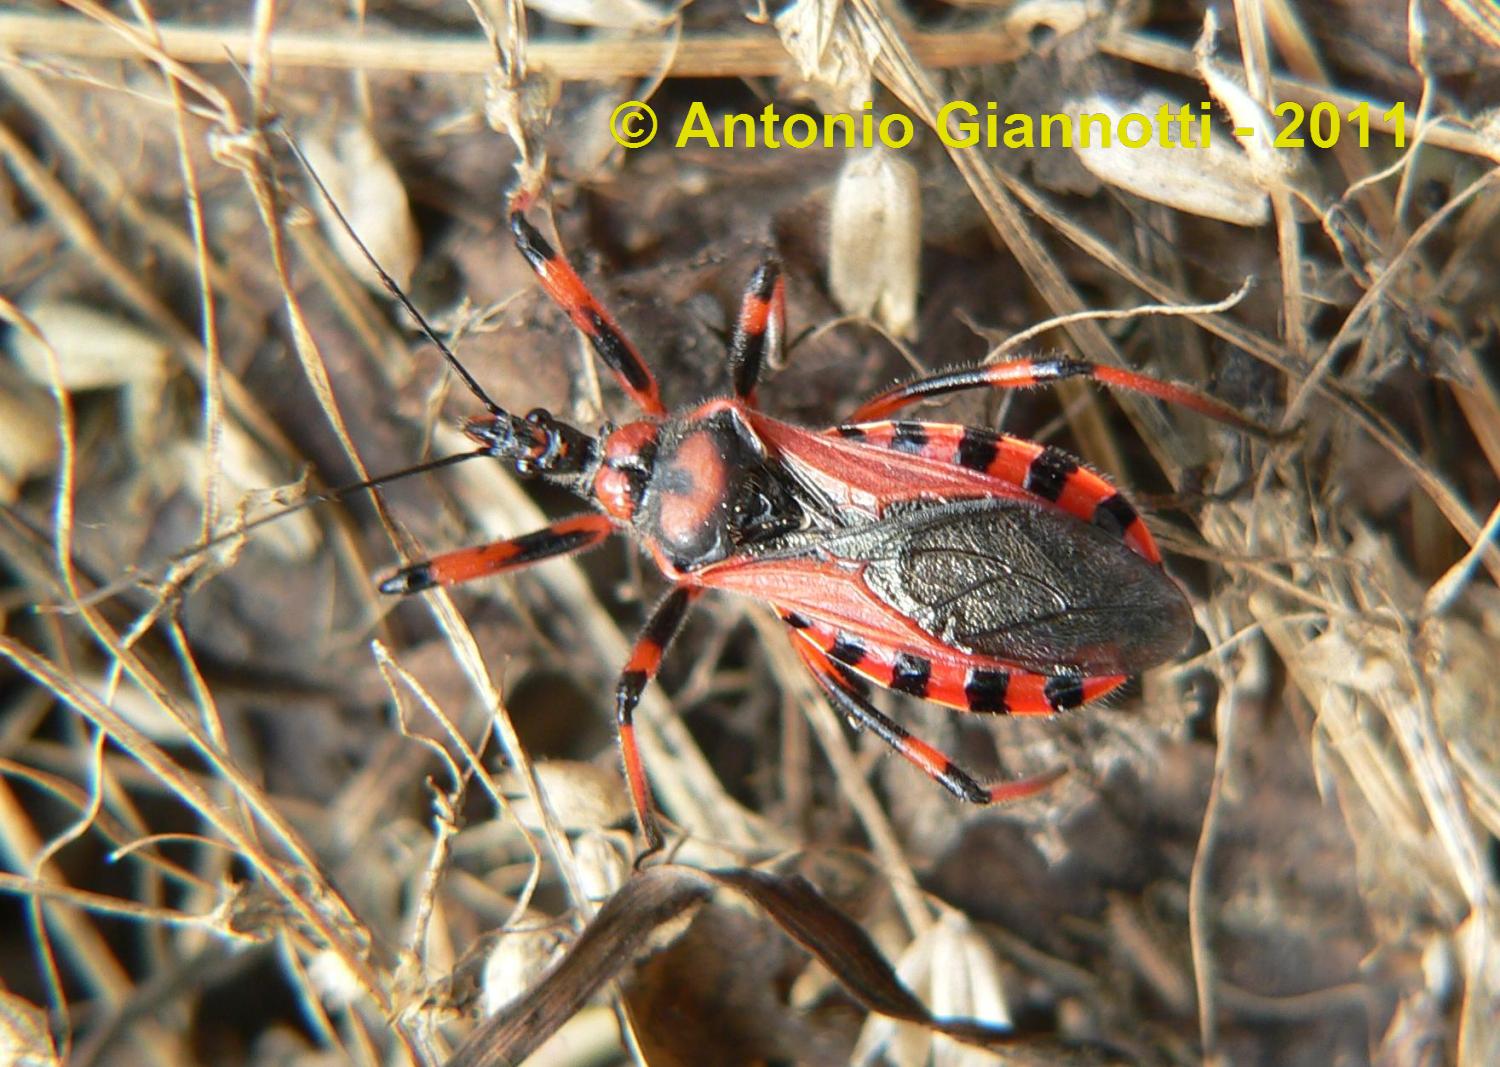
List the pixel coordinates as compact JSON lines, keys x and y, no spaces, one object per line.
{"x":251,"y":812}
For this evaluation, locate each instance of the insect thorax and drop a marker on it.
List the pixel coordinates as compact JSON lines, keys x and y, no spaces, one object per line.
{"x":714,"y":491}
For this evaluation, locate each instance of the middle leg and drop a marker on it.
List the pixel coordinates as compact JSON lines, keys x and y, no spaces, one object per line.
{"x":645,"y":661}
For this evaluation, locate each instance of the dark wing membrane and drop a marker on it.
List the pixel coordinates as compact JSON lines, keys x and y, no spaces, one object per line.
{"x":1021,"y":582}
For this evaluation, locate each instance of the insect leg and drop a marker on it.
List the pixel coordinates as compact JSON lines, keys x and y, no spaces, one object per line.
{"x":982,"y":686}
{"x":760,"y":329}
{"x":645,"y":661}
{"x":1024,"y":373}
{"x":845,"y":691}
{"x":562,"y":538}
{"x":1042,"y":470}
{"x":570,"y":293}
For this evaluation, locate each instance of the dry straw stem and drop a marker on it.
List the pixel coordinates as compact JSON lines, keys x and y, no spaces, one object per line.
{"x":744,"y":55}
{"x":1479,"y":16}
{"x":83,"y":945}
{"x":1396,"y":702}
{"x":252,"y":812}
{"x":100,"y":904}
{"x":689,"y":789}
{"x":240,"y":825}
{"x":304,"y":892}
{"x":79,"y":227}
{"x":1388,"y":673}
{"x":1255,"y":54}
{"x":1002,"y":194}
{"x":397,"y":680}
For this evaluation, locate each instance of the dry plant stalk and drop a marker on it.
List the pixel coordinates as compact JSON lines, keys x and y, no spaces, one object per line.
{"x":300,"y":791}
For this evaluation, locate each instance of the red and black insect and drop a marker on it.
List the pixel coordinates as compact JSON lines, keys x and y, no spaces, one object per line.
{"x":971,"y":568}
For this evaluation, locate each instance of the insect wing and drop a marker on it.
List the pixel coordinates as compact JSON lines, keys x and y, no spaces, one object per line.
{"x":1020,"y":582}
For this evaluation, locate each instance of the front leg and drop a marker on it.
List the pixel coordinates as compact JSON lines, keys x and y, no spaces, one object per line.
{"x":591,"y":317}
{"x":562,"y":538}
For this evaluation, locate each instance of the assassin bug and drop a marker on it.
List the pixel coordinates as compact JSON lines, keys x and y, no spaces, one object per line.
{"x":967,"y":567}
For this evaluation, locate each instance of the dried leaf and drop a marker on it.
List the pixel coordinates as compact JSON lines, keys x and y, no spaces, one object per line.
{"x":618,"y":933}
{"x":964,"y":979}
{"x":1271,"y":166}
{"x":605,"y":14}
{"x":623,"y":929}
{"x":1215,"y":181}
{"x":95,"y":350}
{"x":832,"y":62}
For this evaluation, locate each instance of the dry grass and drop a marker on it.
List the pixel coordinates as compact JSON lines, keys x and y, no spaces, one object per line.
{"x":250,"y":812}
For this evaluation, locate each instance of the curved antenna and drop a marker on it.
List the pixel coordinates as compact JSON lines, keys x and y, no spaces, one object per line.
{"x":391,"y":286}
{"x":324,"y":498}
{"x":240,"y":530}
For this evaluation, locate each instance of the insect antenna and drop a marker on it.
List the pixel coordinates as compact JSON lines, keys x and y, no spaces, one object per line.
{"x":341,"y":493}
{"x":536,"y":443}
{"x":395,"y":290}
{"x":241,"y":529}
